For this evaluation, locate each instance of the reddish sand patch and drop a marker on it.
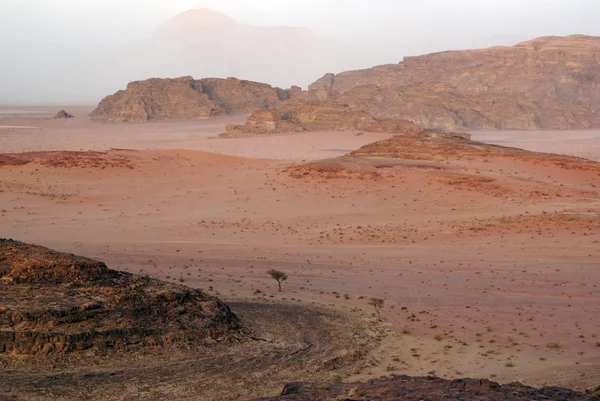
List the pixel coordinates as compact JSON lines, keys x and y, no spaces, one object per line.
{"x":472,"y":279}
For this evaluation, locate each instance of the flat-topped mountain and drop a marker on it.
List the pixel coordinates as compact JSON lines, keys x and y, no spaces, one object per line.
{"x":54,"y":303}
{"x":549,"y":82}
{"x":562,"y":67}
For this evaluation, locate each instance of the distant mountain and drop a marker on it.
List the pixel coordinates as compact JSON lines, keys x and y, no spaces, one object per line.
{"x":204,"y":43}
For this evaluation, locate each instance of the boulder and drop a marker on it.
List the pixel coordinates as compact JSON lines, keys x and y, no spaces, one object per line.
{"x":63,"y":114}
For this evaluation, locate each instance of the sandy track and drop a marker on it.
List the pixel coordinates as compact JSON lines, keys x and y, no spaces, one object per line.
{"x":294,"y":342}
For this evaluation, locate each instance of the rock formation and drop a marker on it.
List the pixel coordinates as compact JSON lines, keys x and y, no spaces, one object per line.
{"x":63,"y":114}
{"x":426,"y":388}
{"x":299,"y":115}
{"x":549,"y":83}
{"x":180,"y":98}
{"x":54,"y":303}
{"x":443,"y":107}
{"x":432,"y":150}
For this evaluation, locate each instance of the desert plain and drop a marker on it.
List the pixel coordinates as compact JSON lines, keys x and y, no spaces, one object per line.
{"x":488,"y":265}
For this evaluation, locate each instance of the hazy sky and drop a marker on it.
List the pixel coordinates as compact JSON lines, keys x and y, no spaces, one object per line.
{"x":113,"y":21}
{"x":49,"y":46}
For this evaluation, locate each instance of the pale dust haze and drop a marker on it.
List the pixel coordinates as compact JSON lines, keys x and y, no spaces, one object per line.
{"x":75,"y":52}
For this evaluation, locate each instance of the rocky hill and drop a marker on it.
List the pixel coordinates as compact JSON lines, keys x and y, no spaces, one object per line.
{"x":55,"y":303}
{"x":300,"y":115}
{"x":185,"y":97}
{"x":549,"y":82}
{"x":425,"y":388}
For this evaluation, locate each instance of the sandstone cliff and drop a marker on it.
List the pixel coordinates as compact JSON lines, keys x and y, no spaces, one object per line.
{"x":299,"y":115}
{"x":549,"y":82}
{"x":442,"y":106}
{"x":181,"y":98}
{"x":53,"y":303}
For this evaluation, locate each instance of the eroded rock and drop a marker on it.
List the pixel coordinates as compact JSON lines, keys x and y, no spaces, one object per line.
{"x":546,"y":83}
{"x":186,"y":98}
{"x":63,"y":114}
{"x":425,"y":388}
{"x":55,"y":303}
{"x":300,"y":115}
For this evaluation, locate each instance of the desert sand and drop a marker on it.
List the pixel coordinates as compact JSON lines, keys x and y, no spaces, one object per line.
{"x":498,"y":282}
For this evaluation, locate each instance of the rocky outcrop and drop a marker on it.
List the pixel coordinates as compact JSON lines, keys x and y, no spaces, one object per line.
{"x":429,"y":150}
{"x":63,"y":114}
{"x":546,"y":83}
{"x":55,"y":303}
{"x":426,"y":388}
{"x":156,"y":99}
{"x":300,"y":115}
{"x":237,"y":96}
{"x":186,"y":98}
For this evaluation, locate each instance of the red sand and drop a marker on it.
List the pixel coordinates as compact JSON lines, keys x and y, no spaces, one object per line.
{"x":486,"y":277}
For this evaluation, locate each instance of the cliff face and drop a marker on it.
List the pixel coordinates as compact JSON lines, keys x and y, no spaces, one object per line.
{"x":300,"y":115}
{"x":442,"y":106}
{"x":237,"y":96}
{"x":549,"y":82}
{"x":55,"y":303}
{"x":181,"y":98}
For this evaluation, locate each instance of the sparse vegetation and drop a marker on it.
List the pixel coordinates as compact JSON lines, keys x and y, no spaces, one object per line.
{"x":377,"y":303}
{"x":278,"y":276}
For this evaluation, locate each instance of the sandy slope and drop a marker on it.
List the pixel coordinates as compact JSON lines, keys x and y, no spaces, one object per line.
{"x":497,"y":281}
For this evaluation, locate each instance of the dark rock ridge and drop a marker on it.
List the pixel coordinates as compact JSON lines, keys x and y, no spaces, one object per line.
{"x":547,"y":83}
{"x":426,"y":388}
{"x":318,"y":115}
{"x":186,"y":98}
{"x":63,"y":114}
{"x":55,"y":303}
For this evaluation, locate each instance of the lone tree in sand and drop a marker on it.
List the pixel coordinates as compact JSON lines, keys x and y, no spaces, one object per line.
{"x":377,"y":303}
{"x":278,"y":276}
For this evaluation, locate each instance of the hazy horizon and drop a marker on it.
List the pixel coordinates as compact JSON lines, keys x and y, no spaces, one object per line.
{"x":76,"y":52}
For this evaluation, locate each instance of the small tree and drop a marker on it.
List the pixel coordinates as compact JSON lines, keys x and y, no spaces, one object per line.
{"x":278,"y":276}
{"x":377,"y":303}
